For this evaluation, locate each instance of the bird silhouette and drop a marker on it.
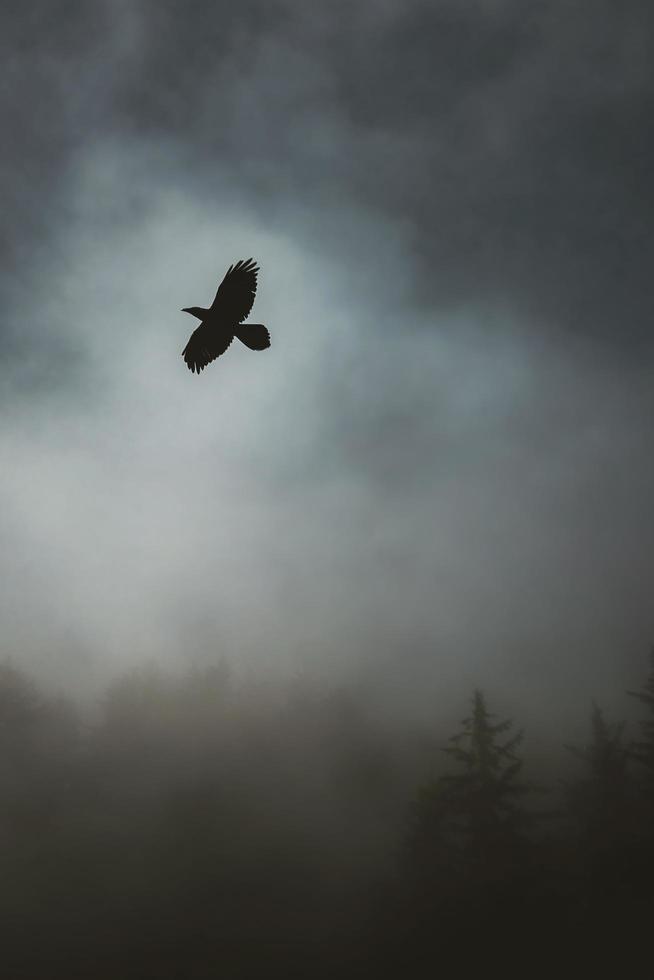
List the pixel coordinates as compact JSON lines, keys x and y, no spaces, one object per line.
{"x":224,"y":319}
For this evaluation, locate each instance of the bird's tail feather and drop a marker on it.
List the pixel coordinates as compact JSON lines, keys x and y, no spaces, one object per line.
{"x":253,"y":335}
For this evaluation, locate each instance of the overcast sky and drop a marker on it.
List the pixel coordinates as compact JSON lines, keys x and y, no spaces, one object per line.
{"x":441,"y":473}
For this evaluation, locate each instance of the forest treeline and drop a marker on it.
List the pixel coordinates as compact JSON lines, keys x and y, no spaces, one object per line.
{"x":199,"y":826}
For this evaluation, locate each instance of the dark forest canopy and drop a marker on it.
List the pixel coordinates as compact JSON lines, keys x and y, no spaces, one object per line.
{"x":203,"y":824}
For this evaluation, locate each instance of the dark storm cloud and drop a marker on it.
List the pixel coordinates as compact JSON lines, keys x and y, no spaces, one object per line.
{"x":517,"y":139}
{"x":514,"y":143}
{"x":59,"y":62}
{"x":511,"y":143}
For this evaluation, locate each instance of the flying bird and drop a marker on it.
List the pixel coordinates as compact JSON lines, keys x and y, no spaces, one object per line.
{"x":224,"y":319}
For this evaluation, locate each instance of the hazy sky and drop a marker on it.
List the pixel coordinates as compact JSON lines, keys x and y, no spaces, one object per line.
{"x":441,"y":473}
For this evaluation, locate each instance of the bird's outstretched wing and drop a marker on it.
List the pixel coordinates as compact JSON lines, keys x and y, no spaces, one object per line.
{"x":204,"y":346}
{"x":235,"y":295}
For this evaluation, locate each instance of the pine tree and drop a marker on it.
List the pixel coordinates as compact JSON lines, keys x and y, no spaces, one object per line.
{"x":643,"y":750}
{"x":642,"y":753}
{"x":600,"y":801}
{"x":608,"y":851}
{"x":470,"y":824}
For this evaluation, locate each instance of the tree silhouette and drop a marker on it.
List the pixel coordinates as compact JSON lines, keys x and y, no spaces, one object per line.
{"x":470,"y":823}
{"x":600,"y":801}
{"x":606,"y":839}
{"x":642,"y":753}
{"x":468,"y":867}
{"x":643,"y":750}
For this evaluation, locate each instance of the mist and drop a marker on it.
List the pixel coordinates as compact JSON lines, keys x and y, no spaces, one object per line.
{"x":437,"y":480}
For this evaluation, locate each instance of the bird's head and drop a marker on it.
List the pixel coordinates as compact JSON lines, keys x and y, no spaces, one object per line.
{"x":196,"y":311}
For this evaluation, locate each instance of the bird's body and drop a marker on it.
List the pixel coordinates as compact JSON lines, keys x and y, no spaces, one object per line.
{"x":224,"y":319}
